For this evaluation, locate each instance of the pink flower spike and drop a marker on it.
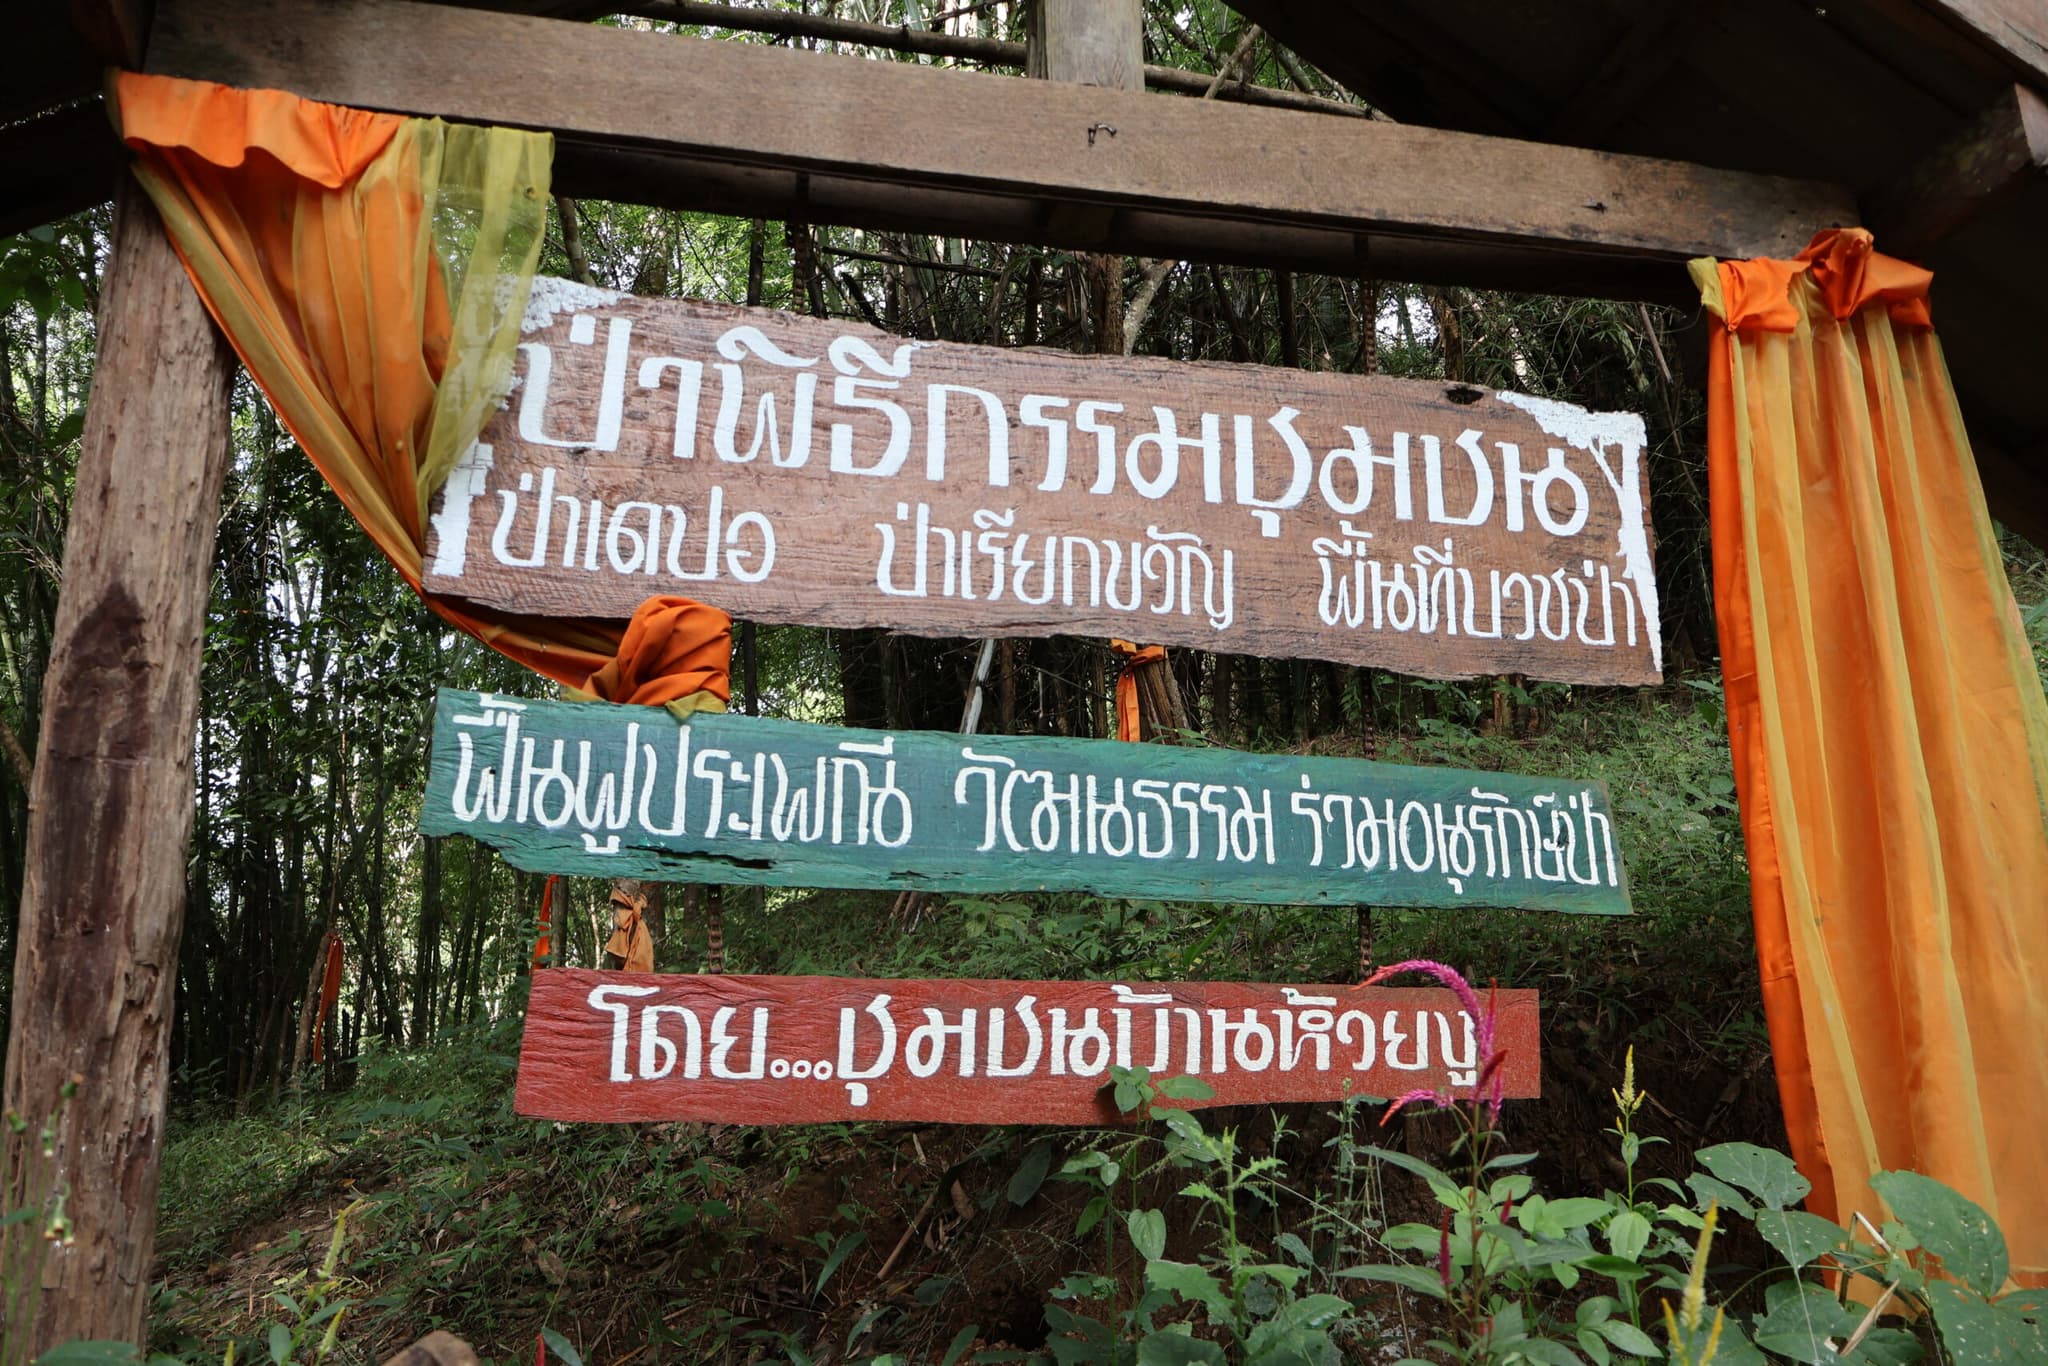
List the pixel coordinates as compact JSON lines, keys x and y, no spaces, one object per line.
{"x":1446,"y":974}
{"x":1420,"y":1094}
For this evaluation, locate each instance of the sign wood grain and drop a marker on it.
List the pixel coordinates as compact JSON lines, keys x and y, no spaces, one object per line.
{"x":789,"y":469}
{"x":621,"y":791}
{"x":614,"y":1047}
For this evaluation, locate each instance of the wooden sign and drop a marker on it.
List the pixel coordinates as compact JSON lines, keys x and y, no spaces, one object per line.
{"x":623,"y":791}
{"x":788,"y":469}
{"x":614,"y":1047}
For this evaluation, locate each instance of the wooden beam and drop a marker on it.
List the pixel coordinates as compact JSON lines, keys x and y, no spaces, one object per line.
{"x":2016,"y":29}
{"x":958,"y":46}
{"x":103,"y":887}
{"x":993,"y":151}
{"x":1984,"y":166}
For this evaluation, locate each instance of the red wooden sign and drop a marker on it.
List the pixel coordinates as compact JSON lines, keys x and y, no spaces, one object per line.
{"x":613,"y":1047}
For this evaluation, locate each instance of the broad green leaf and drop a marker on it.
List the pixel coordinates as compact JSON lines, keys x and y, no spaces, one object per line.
{"x":1562,"y":1216}
{"x":1628,"y":1233}
{"x":1707,"y":1191}
{"x":1799,"y":1237}
{"x":1175,"y":1348}
{"x":1628,"y":1337}
{"x":1292,"y":1245}
{"x":1186,"y":1088}
{"x":1413,"y":1277}
{"x":1289,"y":1276}
{"x":1148,"y":1232}
{"x":1951,"y":1226}
{"x":1299,"y":1328}
{"x":1801,"y":1321}
{"x":280,"y":1341}
{"x":1770,"y":1176}
{"x":1030,"y":1173}
{"x":1593,"y":1345}
{"x":1596,"y":1309}
{"x":1190,"y":1282}
{"x":1973,"y":1330}
{"x":1889,"y":1347}
{"x":1544,"y":1352}
{"x":1413,"y":1238}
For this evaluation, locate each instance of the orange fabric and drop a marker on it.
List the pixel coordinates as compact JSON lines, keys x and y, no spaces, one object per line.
{"x":330,"y":991}
{"x":672,"y":648}
{"x":630,"y":938}
{"x":328,"y":288}
{"x":1128,"y":720}
{"x":1890,"y":740}
{"x":544,"y":945}
{"x":324,"y":143}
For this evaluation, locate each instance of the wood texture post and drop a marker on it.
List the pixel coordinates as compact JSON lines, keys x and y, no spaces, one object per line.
{"x":103,"y":893}
{"x":1101,"y":42}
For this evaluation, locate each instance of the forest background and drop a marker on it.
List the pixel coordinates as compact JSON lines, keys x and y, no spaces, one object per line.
{"x":317,"y":694}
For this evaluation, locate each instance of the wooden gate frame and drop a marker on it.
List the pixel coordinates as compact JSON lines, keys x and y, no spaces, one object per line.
{"x":825,"y":139}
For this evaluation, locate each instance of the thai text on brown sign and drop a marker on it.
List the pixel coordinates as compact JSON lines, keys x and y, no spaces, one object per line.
{"x":616,"y":1047}
{"x":794,"y":470}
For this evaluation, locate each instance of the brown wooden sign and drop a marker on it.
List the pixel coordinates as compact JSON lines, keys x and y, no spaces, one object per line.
{"x":788,"y":469}
{"x":612,"y":1047}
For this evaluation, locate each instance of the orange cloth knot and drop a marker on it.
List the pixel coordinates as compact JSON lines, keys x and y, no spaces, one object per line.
{"x":675,"y":651}
{"x":1845,"y":268}
{"x":1852,"y":272}
{"x":1127,"y":727}
{"x":630,"y":939}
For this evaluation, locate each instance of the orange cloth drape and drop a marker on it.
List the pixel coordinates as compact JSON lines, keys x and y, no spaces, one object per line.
{"x":308,"y":231}
{"x":330,"y":991}
{"x":1128,"y":722}
{"x":1890,"y":740}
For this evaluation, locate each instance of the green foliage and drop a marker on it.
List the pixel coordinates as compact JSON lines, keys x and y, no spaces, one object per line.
{"x":1509,"y":1283}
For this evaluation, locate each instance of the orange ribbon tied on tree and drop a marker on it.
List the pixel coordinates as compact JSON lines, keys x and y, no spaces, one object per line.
{"x":630,"y":939}
{"x":1127,"y":719}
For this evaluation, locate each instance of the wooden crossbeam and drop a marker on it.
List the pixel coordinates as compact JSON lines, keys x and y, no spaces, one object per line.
{"x":1994,"y":159}
{"x":751,"y":129}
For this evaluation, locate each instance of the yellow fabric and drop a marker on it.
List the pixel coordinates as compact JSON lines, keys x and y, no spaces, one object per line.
{"x":371,"y":272}
{"x":1890,"y":739}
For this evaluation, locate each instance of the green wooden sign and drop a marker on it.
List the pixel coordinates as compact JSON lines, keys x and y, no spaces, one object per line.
{"x":620,"y":791}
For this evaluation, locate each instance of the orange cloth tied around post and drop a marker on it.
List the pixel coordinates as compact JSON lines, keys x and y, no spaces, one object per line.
{"x":630,"y":939}
{"x":330,"y":991}
{"x":1128,"y":719}
{"x":1890,"y":740}
{"x":372,"y":272}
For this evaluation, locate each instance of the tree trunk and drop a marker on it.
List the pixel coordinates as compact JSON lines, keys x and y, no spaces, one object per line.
{"x":103,"y":895}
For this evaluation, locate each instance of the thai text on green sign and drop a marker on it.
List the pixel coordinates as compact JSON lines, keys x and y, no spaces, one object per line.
{"x":621,"y":791}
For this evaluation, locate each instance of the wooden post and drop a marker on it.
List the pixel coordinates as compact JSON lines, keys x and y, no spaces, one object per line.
{"x":1102,"y":42}
{"x":103,"y":893}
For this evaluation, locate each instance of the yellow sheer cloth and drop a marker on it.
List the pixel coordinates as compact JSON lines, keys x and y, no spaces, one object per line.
{"x":371,"y":271}
{"x":1890,"y":740}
